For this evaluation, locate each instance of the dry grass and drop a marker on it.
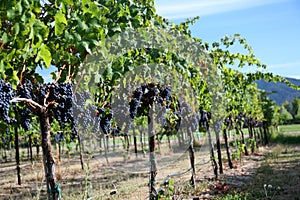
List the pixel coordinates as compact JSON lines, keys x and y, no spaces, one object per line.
{"x":276,"y":165}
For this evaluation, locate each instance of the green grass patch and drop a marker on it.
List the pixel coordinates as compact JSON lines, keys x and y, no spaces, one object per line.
{"x":235,"y":196}
{"x":289,"y":128}
{"x":280,"y":138}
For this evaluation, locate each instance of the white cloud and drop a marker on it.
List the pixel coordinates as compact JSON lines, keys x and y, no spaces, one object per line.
{"x":291,"y":76}
{"x":178,"y":9}
{"x":295,"y":65}
{"x":289,"y":69}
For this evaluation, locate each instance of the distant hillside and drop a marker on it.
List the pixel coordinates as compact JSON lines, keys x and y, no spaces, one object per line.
{"x":283,"y":92}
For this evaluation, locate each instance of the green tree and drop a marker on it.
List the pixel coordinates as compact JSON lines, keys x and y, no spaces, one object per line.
{"x":295,"y":111}
{"x":287,"y":106}
{"x":284,"y":116}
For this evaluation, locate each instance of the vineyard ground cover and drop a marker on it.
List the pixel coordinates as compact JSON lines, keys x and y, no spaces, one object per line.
{"x":271,"y":173}
{"x":278,"y":176}
{"x":276,"y":165}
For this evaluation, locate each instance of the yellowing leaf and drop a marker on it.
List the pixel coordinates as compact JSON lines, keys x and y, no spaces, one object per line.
{"x":45,"y":54}
{"x":60,"y":22}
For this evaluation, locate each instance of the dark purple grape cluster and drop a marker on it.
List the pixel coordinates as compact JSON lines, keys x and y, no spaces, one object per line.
{"x":105,"y":115}
{"x":116,"y":132}
{"x":59,"y":137}
{"x":6,"y":137}
{"x":60,"y":98}
{"x":246,"y":121}
{"x":204,"y":118}
{"x":89,"y":116}
{"x":6,"y":95}
{"x":142,"y":98}
{"x":63,"y":111}
{"x":121,"y":108}
{"x":188,"y":119}
{"x":25,"y":118}
{"x":79,"y":101}
{"x":63,"y":135}
{"x":165,"y":95}
{"x":82,"y":114}
{"x":150,"y":94}
{"x":135,"y":102}
{"x":193,"y":122}
{"x":25,"y":90}
{"x":239,"y":118}
{"x":229,"y":120}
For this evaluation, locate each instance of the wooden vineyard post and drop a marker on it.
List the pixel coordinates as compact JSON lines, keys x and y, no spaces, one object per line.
{"x":212,"y":153}
{"x":80,"y":150}
{"x":135,"y":142}
{"x":243,"y":140}
{"x":265,"y":127}
{"x":192,"y":156}
{"x":153,"y":167}
{"x":17,"y":155}
{"x":227,"y":148}
{"x":219,"y":152}
{"x":30,"y":148}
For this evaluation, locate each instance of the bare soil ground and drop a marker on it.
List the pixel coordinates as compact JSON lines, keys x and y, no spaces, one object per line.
{"x":273,"y":172}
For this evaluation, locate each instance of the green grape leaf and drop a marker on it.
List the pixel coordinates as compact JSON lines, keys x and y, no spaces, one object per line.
{"x":45,"y":54}
{"x":60,"y":22}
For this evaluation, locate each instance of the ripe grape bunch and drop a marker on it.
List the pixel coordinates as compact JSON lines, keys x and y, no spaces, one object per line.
{"x":165,"y":94}
{"x":63,"y":111}
{"x":5,"y":136}
{"x":105,"y":119}
{"x":6,"y":94}
{"x":135,"y":102}
{"x":145,"y":96}
{"x":148,"y":94}
{"x":84,"y":114}
{"x":25,"y":118}
{"x":25,"y":91}
{"x":204,"y":118}
{"x":59,"y":137}
{"x":57,"y":96}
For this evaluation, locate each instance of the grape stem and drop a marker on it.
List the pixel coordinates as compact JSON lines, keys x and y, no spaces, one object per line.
{"x":77,"y":85}
{"x":59,"y":73}
{"x":23,"y":69}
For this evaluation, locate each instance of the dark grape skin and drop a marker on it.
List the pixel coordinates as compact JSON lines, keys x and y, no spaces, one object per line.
{"x":62,"y":95}
{"x":204,"y":118}
{"x":62,"y":135}
{"x":165,"y":94}
{"x":59,"y":97}
{"x":134,"y":104}
{"x":59,"y":93}
{"x":105,"y":123}
{"x":105,"y":116}
{"x":6,"y":95}
{"x":25,"y":118}
{"x":142,"y":98}
{"x":6,"y":138}
{"x":25,"y":90}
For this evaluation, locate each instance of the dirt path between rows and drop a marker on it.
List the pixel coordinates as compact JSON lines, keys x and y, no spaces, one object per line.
{"x":273,"y":172}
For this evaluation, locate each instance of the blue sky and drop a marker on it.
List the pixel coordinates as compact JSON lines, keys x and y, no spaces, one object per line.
{"x":271,"y":27}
